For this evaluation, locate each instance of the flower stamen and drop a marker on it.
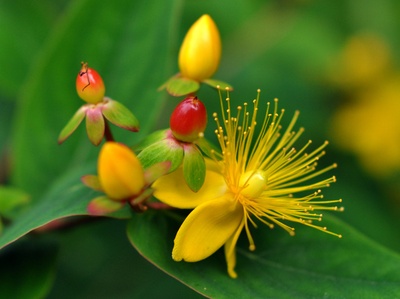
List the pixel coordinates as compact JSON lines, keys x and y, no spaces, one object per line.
{"x":264,"y":170}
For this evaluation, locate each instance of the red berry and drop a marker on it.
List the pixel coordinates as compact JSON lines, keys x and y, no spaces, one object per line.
{"x":89,"y":85}
{"x":188,"y":120}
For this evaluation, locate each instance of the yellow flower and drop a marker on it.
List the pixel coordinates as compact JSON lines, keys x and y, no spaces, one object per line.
{"x":373,"y":142}
{"x":120,"y":173}
{"x":255,"y":178}
{"x":201,"y":50}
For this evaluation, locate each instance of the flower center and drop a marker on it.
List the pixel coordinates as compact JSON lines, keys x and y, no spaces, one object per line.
{"x":253,"y":184}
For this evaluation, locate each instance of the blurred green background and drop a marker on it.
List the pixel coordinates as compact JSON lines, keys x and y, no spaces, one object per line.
{"x":335,"y":61}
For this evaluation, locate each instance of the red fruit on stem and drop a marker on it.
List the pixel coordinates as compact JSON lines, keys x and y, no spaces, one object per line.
{"x":89,"y":85}
{"x":188,"y":120}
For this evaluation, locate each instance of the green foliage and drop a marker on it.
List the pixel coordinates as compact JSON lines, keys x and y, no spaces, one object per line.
{"x":309,"y":265}
{"x":50,"y":99}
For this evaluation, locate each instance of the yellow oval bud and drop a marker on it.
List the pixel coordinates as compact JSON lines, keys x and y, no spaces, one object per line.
{"x":201,"y":50}
{"x":120,"y":172}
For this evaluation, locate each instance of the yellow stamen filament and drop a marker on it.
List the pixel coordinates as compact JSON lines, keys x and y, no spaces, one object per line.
{"x":263,"y":169}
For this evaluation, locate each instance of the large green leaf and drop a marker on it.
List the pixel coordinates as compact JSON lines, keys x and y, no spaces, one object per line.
{"x":96,"y":262}
{"x":128,"y":43}
{"x":68,"y":197}
{"x":309,"y":265}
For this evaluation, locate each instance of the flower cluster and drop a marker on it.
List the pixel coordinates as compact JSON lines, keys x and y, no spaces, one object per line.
{"x":257,"y":174}
{"x":199,"y":58}
{"x":98,"y":110}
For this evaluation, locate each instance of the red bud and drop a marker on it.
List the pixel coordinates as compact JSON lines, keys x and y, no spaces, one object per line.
{"x":188,"y":120}
{"x":89,"y":85}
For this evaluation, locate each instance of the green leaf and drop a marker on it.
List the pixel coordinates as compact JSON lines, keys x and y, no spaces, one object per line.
{"x":67,"y":197}
{"x":27,"y":270}
{"x":120,"y":116}
{"x":194,"y":167}
{"x":309,"y":265}
{"x":122,"y":42}
{"x":218,"y":84}
{"x":161,"y":151}
{"x":182,"y":86}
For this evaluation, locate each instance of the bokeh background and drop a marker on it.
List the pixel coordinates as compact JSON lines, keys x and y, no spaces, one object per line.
{"x":335,"y":61}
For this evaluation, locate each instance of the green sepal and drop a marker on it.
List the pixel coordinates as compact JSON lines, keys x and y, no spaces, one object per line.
{"x":119,"y":115}
{"x":141,"y":197}
{"x":73,"y":123}
{"x":12,"y":200}
{"x":95,"y":125}
{"x":165,"y":150}
{"x":194,"y":167}
{"x":151,"y":139}
{"x":218,"y":84}
{"x":155,"y":171}
{"x":208,"y":148}
{"x":165,"y":84}
{"x":102,"y":205}
{"x":182,"y":86}
{"x":92,"y":181}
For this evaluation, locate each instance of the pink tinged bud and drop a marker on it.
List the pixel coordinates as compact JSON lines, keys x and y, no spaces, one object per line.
{"x":200,"y":51}
{"x":89,"y":85}
{"x":120,"y":172}
{"x":188,"y":120}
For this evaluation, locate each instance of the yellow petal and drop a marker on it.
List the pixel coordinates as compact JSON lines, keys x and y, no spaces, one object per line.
{"x":230,"y":251}
{"x":201,"y":50}
{"x":120,"y":172}
{"x":173,"y":190}
{"x":207,"y":228}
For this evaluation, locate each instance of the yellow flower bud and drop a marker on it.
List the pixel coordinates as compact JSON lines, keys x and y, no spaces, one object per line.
{"x":201,"y":50}
{"x":120,"y":172}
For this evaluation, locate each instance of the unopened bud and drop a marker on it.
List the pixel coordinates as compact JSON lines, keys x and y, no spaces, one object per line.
{"x":120,"y":172}
{"x":200,"y":52}
{"x":189,"y":119}
{"x":89,"y":85}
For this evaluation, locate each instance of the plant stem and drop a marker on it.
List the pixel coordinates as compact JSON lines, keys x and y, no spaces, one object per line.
{"x":107,"y":131}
